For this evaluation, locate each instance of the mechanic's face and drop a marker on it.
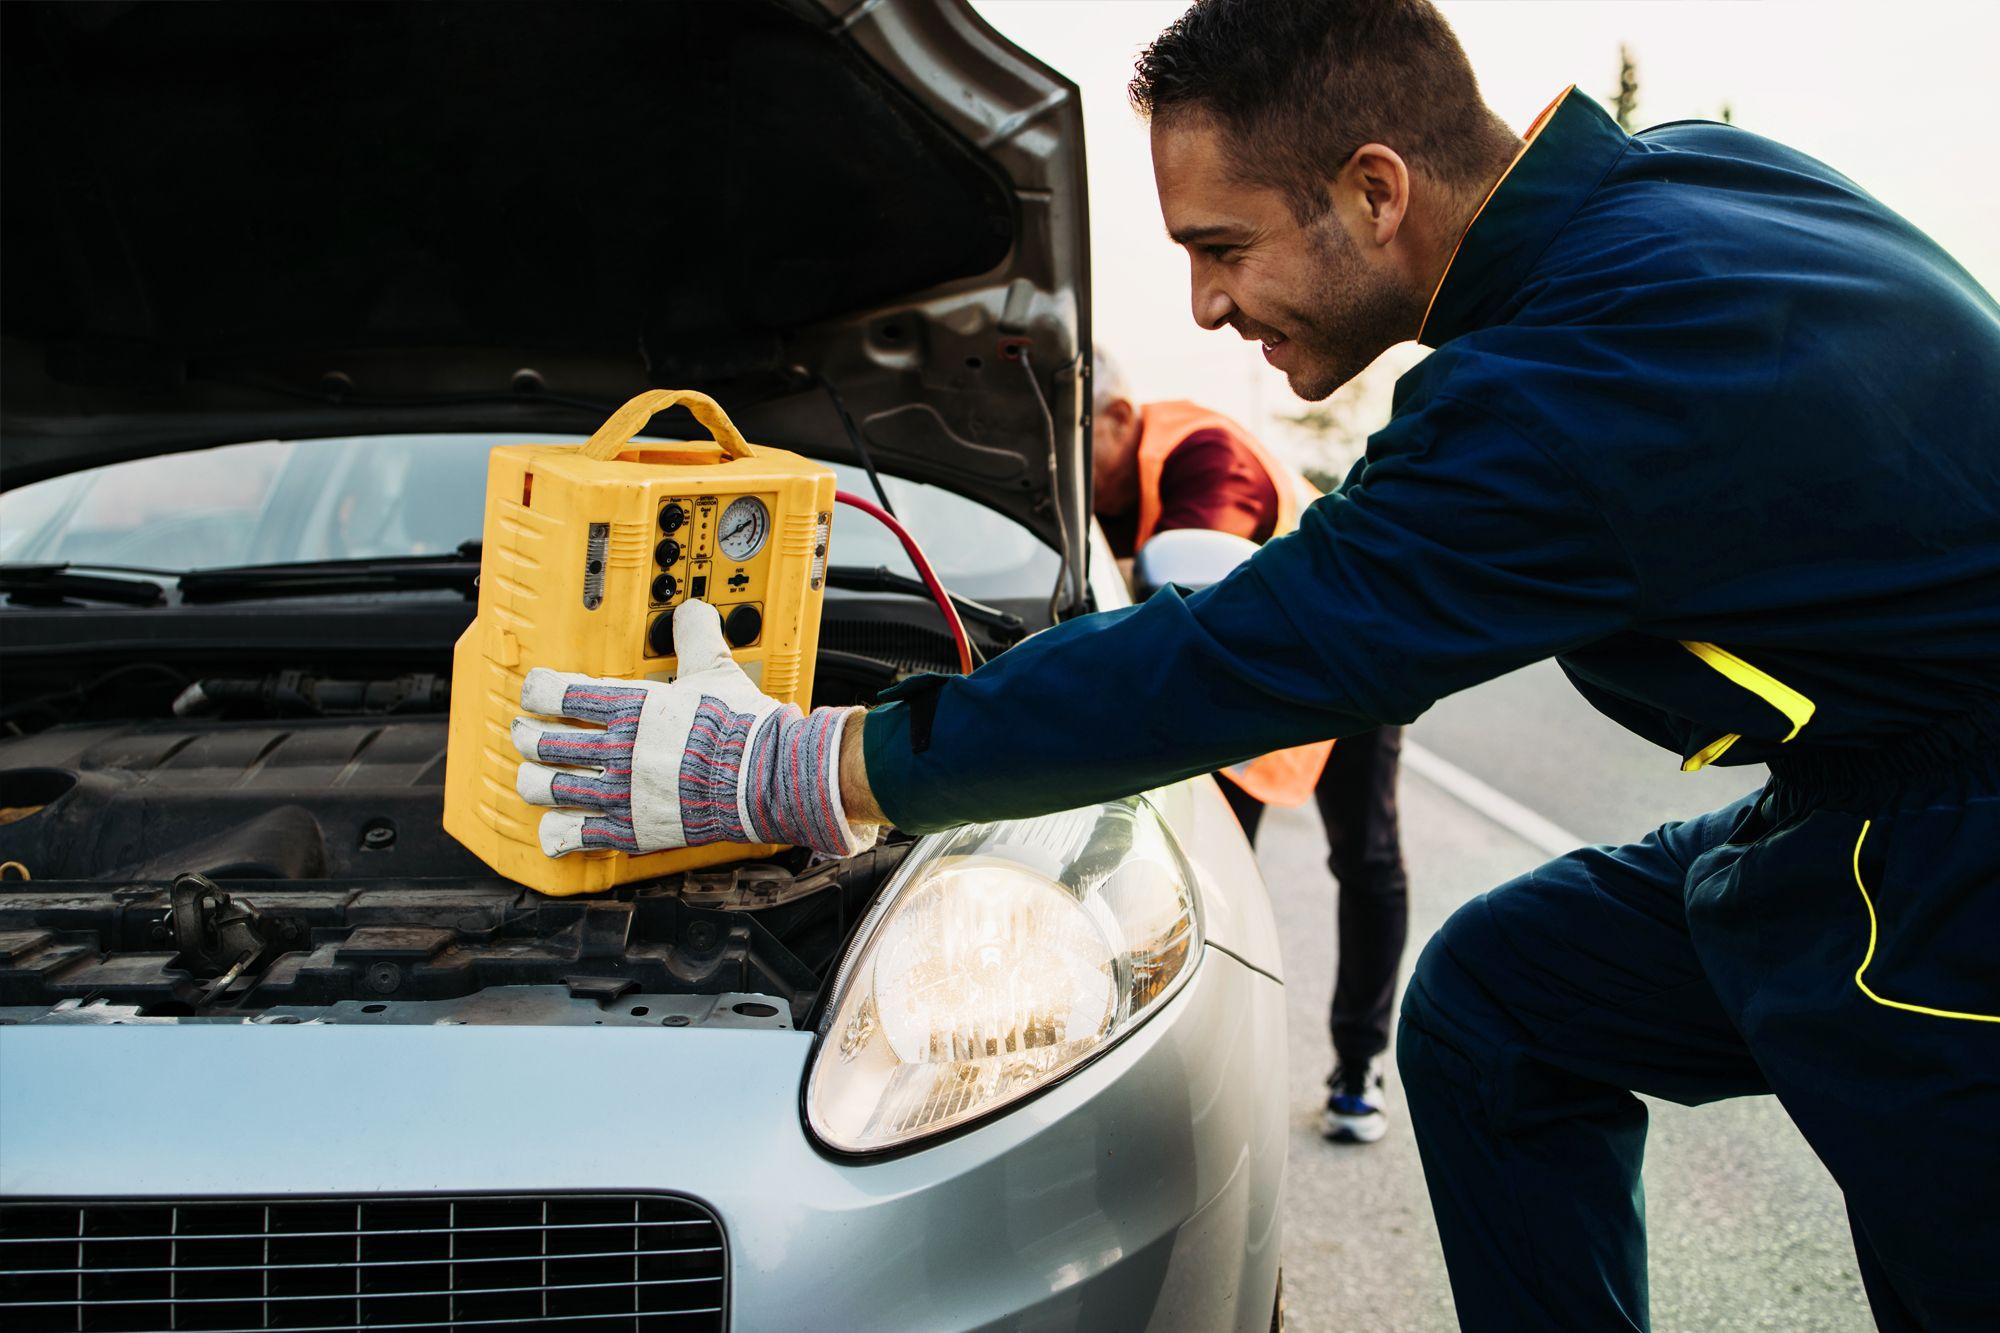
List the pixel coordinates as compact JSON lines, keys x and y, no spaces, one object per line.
{"x":1325,"y":297}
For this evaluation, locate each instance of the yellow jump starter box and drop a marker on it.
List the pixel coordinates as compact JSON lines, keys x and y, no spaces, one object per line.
{"x":587,"y":551}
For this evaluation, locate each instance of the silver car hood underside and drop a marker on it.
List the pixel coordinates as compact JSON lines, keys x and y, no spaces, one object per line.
{"x":959,"y":168}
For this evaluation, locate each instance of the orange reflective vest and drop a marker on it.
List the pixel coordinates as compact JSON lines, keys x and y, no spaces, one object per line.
{"x":1284,"y":777}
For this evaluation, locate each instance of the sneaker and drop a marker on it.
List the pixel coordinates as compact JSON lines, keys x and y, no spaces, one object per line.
{"x":1354,"y":1104}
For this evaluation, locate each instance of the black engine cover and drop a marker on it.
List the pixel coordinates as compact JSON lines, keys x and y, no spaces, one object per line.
{"x":359,"y":799}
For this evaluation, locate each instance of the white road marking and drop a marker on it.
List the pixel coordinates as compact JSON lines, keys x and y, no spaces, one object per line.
{"x":1542,"y":834}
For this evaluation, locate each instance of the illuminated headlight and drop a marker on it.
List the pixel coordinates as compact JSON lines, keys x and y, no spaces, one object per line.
{"x":1000,"y":958}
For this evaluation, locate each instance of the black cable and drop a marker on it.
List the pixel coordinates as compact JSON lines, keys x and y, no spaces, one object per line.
{"x":77,"y":694}
{"x":854,"y":438}
{"x":1055,"y":487}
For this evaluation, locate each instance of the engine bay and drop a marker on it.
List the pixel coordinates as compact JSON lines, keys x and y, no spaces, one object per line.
{"x":758,"y":938}
{"x":194,"y":868}
{"x":190,"y":837}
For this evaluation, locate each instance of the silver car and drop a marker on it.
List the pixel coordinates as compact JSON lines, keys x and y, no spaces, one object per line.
{"x":278,"y":278}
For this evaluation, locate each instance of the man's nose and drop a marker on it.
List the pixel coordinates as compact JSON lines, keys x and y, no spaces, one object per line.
{"x":1212,"y":306}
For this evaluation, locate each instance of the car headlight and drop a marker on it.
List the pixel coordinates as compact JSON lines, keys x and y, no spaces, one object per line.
{"x":1000,"y":958}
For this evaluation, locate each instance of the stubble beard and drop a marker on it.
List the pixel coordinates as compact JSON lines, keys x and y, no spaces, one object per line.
{"x":1351,"y":316}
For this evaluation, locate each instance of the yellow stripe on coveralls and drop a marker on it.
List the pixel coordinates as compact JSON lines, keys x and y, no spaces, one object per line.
{"x":1869,"y":957}
{"x":1798,"y":709}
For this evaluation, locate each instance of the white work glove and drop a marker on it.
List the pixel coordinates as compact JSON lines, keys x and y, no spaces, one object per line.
{"x":705,"y":758}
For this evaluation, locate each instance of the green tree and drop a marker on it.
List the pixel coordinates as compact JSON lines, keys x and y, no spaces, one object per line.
{"x":1335,"y":431}
{"x":1625,"y":102}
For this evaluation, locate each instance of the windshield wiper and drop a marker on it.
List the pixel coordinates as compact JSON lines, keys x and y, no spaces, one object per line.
{"x":861,"y":578}
{"x":52,"y":585}
{"x":325,"y":578}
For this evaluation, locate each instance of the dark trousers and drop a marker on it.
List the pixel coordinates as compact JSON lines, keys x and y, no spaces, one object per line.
{"x":1357,"y":803}
{"x":1834,"y":940}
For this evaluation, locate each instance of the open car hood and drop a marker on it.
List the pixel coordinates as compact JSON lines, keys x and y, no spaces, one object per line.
{"x":236,"y":221}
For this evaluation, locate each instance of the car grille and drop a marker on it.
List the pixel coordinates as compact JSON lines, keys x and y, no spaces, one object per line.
{"x":584,"y":1262}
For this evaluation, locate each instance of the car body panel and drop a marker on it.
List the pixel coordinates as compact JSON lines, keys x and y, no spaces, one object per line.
{"x":1237,"y":909}
{"x":1141,"y":1192}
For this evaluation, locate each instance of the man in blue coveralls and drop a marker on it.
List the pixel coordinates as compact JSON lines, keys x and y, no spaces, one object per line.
{"x":1703,"y":421}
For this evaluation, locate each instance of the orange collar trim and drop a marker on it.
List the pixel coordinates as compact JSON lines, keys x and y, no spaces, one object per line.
{"x":1527,"y":143}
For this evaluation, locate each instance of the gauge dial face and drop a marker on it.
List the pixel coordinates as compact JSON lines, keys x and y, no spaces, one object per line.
{"x":745,"y":525}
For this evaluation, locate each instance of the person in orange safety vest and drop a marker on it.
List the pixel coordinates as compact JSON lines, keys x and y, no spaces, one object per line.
{"x":1165,"y":465}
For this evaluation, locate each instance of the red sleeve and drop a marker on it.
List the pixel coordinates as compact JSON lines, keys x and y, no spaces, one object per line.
{"x":1209,"y":481}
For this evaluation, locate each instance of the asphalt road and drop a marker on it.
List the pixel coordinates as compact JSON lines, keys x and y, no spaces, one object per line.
{"x":1747,"y":1230}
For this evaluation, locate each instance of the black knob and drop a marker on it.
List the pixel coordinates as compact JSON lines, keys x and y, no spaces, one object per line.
{"x":745,"y":623}
{"x":661,"y":640}
{"x":664,"y":588}
{"x":672,"y":517}
{"x":668,"y":552}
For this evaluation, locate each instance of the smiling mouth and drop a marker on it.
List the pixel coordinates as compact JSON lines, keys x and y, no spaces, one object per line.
{"x":1270,"y":340}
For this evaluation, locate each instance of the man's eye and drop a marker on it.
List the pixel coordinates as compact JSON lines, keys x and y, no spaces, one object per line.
{"x":1221,"y":254}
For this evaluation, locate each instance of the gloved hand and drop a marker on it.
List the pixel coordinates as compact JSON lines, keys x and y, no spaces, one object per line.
{"x":706,"y":758}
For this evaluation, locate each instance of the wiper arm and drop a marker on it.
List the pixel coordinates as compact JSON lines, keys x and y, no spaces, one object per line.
{"x":322,"y":578}
{"x":52,"y":585}
{"x":861,"y":578}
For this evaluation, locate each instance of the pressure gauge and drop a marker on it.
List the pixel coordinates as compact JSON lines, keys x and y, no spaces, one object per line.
{"x":745,"y":525}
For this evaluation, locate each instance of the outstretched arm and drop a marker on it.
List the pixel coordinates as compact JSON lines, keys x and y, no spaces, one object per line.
{"x":1461,"y":550}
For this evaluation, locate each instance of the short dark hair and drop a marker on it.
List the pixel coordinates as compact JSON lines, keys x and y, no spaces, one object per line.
{"x":1298,"y":85}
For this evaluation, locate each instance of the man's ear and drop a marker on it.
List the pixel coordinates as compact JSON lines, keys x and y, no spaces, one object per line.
{"x":1117,"y":422}
{"x":1377,"y":181}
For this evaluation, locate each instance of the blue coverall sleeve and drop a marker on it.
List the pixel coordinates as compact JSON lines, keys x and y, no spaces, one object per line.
{"x":1459,"y":550}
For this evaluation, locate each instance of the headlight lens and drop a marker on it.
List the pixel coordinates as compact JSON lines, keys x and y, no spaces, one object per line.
{"x":1001,"y":957}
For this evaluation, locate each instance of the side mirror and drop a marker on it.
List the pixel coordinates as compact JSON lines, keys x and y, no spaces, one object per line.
{"x":1191,"y":557}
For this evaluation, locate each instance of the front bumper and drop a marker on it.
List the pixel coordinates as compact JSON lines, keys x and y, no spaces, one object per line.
{"x":1143,"y":1192}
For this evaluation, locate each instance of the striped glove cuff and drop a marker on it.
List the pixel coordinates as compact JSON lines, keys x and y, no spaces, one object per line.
{"x":774,"y":779}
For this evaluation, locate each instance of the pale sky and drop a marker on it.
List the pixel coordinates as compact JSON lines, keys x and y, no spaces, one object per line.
{"x":1900,"y":97}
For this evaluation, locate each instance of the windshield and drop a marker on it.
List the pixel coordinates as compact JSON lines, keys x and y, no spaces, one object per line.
{"x":281,"y":501}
